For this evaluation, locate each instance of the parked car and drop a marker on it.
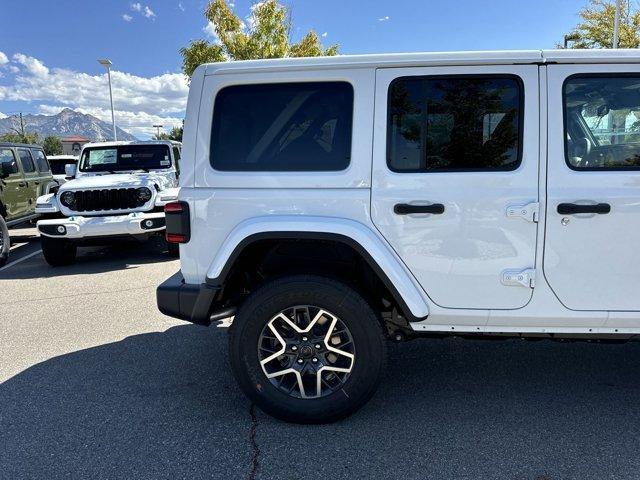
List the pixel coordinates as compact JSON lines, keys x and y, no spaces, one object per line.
{"x":25,"y":174}
{"x":333,"y":203}
{"x":58,"y":164}
{"x":119,"y":191}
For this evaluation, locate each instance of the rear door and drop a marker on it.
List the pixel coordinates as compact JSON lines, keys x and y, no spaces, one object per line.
{"x":31,"y":176}
{"x":44,"y":171}
{"x":591,"y":254}
{"x":455,"y":179}
{"x":15,"y":193}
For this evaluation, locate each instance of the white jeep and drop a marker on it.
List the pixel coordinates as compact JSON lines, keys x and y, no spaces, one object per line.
{"x":119,"y":191}
{"x":332,"y":203}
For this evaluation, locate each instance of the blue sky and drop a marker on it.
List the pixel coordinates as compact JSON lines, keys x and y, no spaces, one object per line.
{"x":49,"y":62}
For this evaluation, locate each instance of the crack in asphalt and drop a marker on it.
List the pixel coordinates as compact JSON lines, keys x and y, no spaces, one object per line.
{"x":255,"y":459}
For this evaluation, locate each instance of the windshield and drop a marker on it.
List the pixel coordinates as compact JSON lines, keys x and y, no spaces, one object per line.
{"x":125,"y":157}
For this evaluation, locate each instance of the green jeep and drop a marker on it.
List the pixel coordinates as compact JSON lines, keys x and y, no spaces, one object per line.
{"x":25,"y":174}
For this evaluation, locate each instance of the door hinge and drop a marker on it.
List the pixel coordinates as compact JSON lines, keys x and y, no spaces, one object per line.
{"x":529,"y":212}
{"x":523,"y":278}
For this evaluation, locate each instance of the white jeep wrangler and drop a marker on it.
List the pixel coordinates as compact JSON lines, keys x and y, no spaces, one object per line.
{"x":119,"y":191}
{"x":332,"y":203}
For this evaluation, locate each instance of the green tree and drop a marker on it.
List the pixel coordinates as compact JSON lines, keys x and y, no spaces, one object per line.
{"x":15,"y":137}
{"x":266,"y":36}
{"x":52,"y":145}
{"x":596,"y":28}
{"x":174,"y":134}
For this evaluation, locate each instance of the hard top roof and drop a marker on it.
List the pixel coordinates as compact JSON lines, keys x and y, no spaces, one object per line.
{"x":498,"y":57}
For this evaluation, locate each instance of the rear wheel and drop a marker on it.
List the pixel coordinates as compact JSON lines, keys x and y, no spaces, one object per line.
{"x":5,"y":242}
{"x":307,"y":349}
{"x":58,"y":251}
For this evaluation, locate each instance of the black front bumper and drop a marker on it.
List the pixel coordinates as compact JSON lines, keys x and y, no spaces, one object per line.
{"x":186,"y":301}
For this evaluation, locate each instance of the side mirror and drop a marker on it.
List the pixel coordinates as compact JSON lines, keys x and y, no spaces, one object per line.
{"x":70,"y":170}
{"x":4,"y":170}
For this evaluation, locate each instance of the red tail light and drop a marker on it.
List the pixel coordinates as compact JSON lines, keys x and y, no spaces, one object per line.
{"x":178,"y":222}
{"x":173,"y":207}
{"x":176,"y":238}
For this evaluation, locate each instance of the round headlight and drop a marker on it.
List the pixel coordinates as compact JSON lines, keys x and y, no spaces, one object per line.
{"x":144,"y":195}
{"x":68,"y":199}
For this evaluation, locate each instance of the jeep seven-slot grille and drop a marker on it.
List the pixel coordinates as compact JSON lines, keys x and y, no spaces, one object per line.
{"x":107,"y":199}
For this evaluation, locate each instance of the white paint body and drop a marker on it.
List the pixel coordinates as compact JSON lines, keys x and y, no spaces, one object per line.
{"x":589,"y":290}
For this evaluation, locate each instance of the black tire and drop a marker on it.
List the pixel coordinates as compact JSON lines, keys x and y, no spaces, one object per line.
{"x":5,"y":242}
{"x":58,"y":251}
{"x":343,"y":302}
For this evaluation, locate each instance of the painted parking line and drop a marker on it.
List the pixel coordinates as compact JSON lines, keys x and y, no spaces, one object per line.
{"x":32,"y":254}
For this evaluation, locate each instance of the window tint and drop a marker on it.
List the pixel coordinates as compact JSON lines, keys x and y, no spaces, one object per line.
{"x":26,"y":160}
{"x":41,"y":161}
{"x":454,"y":124}
{"x":8,"y":159}
{"x":283,"y":127}
{"x":602,"y":122}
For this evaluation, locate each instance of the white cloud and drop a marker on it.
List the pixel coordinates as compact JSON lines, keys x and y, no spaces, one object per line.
{"x":384,"y":19}
{"x":181,"y":6}
{"x":324,"y":35}
{"x":13,"y":69}
{"x":148,"y":12}
{"x":33,"y":66}
{"x":136,"y":7}
{"x":232,"y":4}
{"x":210,"y":30}
{"x":139,"y":100}
{"x":3,"y":59}
{"x":2,"y":115}
{"x":127,"y":18}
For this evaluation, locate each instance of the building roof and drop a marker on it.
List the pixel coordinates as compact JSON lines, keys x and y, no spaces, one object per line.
{"x":498,"y":57}
{"x":75,"y":139}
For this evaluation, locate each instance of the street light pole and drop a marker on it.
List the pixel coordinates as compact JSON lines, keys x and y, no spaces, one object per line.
{"x":158,"y":127}
{"x":616,"y":25}
{"x":107,"y":64}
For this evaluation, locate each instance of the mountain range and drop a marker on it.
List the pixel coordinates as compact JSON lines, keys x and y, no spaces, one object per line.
{"x":67,"y":123}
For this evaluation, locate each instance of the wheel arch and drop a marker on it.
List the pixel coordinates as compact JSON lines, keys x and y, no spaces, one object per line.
{"x":368,"y":245}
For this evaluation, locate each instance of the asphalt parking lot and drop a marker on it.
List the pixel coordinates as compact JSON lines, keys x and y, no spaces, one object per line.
{"x":96,"y":383}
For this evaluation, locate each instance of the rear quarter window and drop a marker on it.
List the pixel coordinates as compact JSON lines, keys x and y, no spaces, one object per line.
{"x":282,"y":127}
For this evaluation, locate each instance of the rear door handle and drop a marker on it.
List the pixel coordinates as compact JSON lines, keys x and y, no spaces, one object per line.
{"x":406,"y":208}
{"x":575,"y":208}
{"x":22,"y":184}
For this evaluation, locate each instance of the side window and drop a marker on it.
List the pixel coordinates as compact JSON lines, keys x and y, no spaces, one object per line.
{"x":602,"y":122}
{"x":26,"y":160}
{"x":283,"y":127}
{"x":41,"y":161}
{"x":457,"y":123}
{"x":8,"y":160}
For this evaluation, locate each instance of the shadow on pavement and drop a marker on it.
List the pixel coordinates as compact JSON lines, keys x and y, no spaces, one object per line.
{"x":164,"y":405}
{"x":91,"y":260}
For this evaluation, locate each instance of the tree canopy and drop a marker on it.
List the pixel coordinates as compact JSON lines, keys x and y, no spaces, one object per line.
{"x":174,"y":134}
{"x":596,"y":28}
{"x":52,"y":145}
{"x":265,"y":35}
{"x":17,"y":137}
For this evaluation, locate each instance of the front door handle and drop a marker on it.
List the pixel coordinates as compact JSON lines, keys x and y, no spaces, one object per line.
{"x":406,"y":208}
{"x":22,"y":184}
{"x":575,"y":208}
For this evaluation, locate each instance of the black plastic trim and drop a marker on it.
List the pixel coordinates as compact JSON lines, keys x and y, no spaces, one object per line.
{"x":218,"y":281}
{"x":190,"y":302}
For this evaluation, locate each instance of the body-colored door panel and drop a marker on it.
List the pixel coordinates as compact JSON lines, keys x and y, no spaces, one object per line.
{"x":460,"y":256}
